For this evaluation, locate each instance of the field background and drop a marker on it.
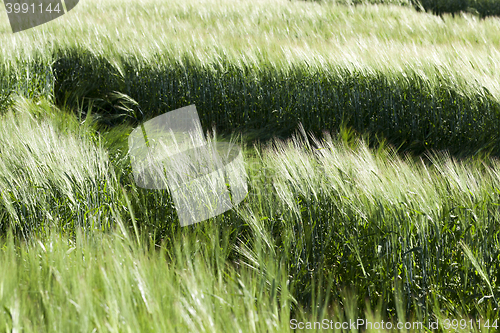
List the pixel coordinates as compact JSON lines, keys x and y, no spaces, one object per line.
{"x":371,"y":135}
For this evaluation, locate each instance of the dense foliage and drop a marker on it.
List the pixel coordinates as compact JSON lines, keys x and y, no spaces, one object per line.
{"x":339,"y":222}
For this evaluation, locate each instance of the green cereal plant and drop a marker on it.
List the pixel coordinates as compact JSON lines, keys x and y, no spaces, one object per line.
{"x":324,"y":219}
{"x":330,"y":228}
{"x":54,"y":173}
{"x":410,"y":84}
{"x":343,"y":213}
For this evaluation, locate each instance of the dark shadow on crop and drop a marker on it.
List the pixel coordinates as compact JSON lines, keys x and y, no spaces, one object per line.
{"x":407,"y":111}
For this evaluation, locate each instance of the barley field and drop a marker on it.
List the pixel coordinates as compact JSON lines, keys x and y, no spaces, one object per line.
{"x":370,"y":133}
